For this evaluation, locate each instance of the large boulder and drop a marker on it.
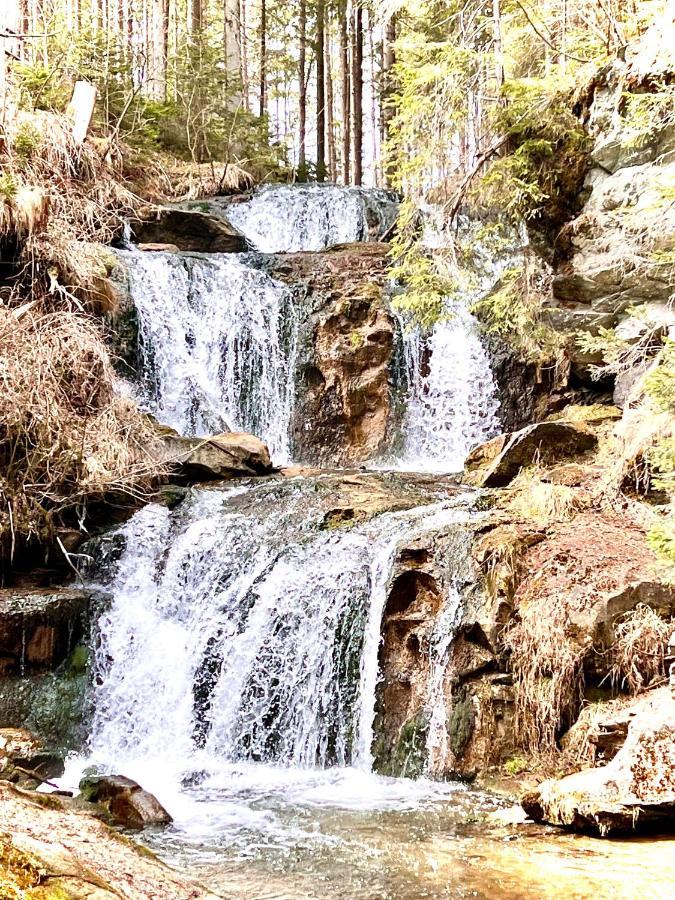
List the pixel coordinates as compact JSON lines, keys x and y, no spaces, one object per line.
{"x":220,"y":457}
{"x":546,"y":442}
{"x":189,"y":230}
{"x":126,"y":801}
{"x":634,"y":792}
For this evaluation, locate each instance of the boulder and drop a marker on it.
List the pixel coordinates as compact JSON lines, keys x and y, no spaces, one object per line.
{"x":546,"y":442}
{"x":220,"y":457}
{"x":189,"y":230}
{"x":634,"y":792}
{"x":24,"y":760}
{"x":126,"y":801}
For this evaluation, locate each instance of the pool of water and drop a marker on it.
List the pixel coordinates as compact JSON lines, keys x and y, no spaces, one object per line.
{"x":260,"y":832}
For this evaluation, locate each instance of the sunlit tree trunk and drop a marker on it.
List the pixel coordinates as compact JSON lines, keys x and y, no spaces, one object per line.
{"x":320,"y":92}
{"x":302,"y":80}
{"x":357,"y":93}
{"x":263,"y":60}
{"x":346,"y":92}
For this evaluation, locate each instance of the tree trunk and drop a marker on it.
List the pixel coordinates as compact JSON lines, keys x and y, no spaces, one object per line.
{"x":330,"y":117}
{"x":231,"y":50}
{"x":497,"y":44}
{"x":357,"y":93}
{"x":196,"y":17}
{"x":346,"y":93}
{"x":244,"y":54}
{"x":386,"y":101}
{"x":263,"y":51}
{"x":320,"y":92}
{"x":302,"y":79}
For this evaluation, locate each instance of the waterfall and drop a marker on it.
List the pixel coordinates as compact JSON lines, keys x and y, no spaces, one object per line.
{"x":292,"y":218}
{"x":242,"y":630}
{"x":218,"y":340}
{"x":452,"y":399}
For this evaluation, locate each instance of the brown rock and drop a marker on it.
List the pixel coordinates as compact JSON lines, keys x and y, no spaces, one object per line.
{"x":189,"y":230}
{"x":40,"y":628}
{"x":632,"y":793}
{"x":221,"y":457}
{"x":126,"y":801}
{"x":159,"y":248}
{"x":546,"y":442}
{"x":24,"y":760}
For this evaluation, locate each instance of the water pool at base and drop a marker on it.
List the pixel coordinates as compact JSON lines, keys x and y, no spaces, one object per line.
{"x":259,"y":832}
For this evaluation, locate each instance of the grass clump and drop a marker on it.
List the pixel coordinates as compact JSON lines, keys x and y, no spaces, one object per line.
{"x":639,"y":651}
{"x":547,"y":666}
{"x":67,"y":438}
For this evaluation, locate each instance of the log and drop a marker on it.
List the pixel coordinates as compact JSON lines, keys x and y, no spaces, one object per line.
{"x":81,"y":109}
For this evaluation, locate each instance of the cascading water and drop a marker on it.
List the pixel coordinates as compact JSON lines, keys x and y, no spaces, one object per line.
{"x":218,"y":340}
{"x":261,"y":626}
{"x":292,"y":218}
{"x":452,"y":403}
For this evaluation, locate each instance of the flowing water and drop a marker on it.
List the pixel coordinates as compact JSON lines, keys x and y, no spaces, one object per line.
{"x":286,"y":219}
{"x":218,"y":339}
{"x":236,"y":668}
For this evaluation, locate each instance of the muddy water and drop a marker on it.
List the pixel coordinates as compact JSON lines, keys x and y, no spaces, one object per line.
{"x":255,"y":832}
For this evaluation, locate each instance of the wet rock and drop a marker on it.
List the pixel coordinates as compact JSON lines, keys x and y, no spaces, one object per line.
{"x":220,"y":457}
{"x":546,"y":442}
{"x":190,"y":230}
{"x":63,"y":851}
{"x":24,"y":759}
{"x":346,"y":356}
{"x":635,"y":792}
{"x":126,"y":801}
{"x":39,"y":629}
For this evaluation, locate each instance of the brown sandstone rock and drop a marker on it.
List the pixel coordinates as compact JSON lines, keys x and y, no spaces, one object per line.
{"x":546,"y":442}
{"x":220,"y":457}
{"x":24,"y":760}
{"x":632,"y":793}
{"x":129,"y":805}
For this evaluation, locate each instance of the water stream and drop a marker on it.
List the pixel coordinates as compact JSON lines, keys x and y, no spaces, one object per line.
{"x":236,"y":669}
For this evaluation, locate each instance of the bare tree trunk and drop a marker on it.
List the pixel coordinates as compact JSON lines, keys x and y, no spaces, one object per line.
{"x":244,"y":55}
{"x":497,"y":43}
{"x":386,"y":101}
{"x":263,"y":51}
{"x":231,"y":49}
{"x":302,"y":79}
{"x":196,"y":17}
{"x":357,"y":93}
{"x":330,"y":116}
{"x":320,"y":92}
{"x":346,"y":92}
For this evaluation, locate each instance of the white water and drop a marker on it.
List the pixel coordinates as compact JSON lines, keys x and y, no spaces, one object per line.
{"x":242,"y":632}
{"x":291,"y":218}
{"x":452,"y":400}
{"x":218,"y":343}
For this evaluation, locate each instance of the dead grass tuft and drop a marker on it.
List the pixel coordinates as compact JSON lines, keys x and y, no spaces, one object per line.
{"x":67,"y":438}
{"x":639,"y":651}
{"x":547,"y":666}
{"x":536,"y":498}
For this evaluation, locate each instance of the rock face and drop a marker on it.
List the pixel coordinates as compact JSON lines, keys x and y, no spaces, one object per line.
{"x":126,"y":801}
{"x":189,"y":230}
{"x":546,"y":442}
{"x":614,"y":255}
{"x":44,"y":635}
{"x":632,"y":793}
{"x":39,"y":629}
{"x":220,"y":457}
{"x":345,"y":376}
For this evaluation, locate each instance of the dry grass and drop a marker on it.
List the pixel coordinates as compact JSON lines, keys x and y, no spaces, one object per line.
{"x":640,"y":430}
{"x":58,"y":196}
{"x":547,"y":666}
{"x":66,"y":437}
{"x":534,"y":497}
{"x":639,"y":651}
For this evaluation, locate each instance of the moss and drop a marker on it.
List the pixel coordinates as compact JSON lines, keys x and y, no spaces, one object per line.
{"x":408,"y":755}
{"x":516,"y":765}
{"x":460,"y":725}
{"x":356,"y":339}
